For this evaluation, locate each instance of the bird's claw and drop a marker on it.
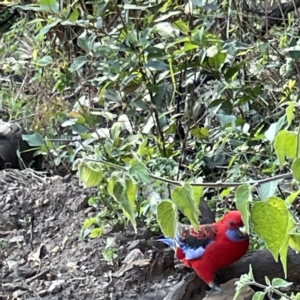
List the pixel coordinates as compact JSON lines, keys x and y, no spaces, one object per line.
{"x":215,"y":289}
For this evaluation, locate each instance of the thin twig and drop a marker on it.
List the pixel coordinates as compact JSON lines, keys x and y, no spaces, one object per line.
{"x":204,"y":184}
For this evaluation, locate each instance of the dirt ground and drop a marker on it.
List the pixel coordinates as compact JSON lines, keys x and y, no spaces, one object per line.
{"x":42,"y":256}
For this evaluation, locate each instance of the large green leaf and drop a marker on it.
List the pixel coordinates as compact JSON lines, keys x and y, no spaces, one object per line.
{"x":243,"y":197}
{"x":33,"y":140}
{"x":47,"y":2}
{"x":167,"y":218}
{"x":292,"y":197}
{"x":182,"y":26}
{"x":280,"y":283}
{"x":285,"y":145}
{"x":139,"y":171}
{"x":267,"y":190}
{"x":274,"y":128}
{"x":131,"y":191}
{"x":74,"y":15}
{"x":197,"y":194}
{"x":200,"y":133}
{"x":296,"y":169}
{"x":230,"y":72}
{"x":285,"y":244}
{"x":79,"y":62}
{"x":122,"y":191}
{"x":271,"y":220}
{"x":290,"y":112}
{"x":90,"y":173}
{"x":183,"y":197}
{"x":259,"y":296}
{"x":49,"y":5}
{"x":294,"y":241}
{"x":44,"y":61}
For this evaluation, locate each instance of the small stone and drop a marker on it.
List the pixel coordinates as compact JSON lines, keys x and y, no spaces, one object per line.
{"x":56,"y":286}
{"x":42,"y":293}
{"x":17,"y":239}
{"x":133,"y":255}
{"x":157,"y":295}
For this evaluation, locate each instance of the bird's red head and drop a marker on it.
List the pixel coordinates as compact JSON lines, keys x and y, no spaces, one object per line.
{"x":232,"y":220}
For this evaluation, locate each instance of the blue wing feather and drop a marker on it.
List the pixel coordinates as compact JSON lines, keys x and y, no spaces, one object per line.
{"x":192,"y":243}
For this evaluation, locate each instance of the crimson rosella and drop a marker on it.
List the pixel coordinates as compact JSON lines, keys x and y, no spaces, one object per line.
{"x":212,"y":246}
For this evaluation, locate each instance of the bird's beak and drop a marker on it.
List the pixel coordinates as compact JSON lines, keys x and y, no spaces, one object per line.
{"x":243,"y":231}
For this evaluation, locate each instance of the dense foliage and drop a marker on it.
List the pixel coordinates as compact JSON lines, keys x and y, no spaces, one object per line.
{"x":149,"y":100}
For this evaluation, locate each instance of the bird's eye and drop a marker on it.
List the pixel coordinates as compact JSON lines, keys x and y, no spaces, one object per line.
{"x":231,"y":223}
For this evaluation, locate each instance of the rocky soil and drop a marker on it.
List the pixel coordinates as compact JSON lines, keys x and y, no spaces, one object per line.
{"x":42,"y":256}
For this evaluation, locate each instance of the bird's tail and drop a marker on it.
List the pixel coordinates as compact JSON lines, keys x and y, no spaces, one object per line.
{"x":169,"y":242}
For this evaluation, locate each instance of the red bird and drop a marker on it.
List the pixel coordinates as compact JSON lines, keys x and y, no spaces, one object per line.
{"x":212,"y":246}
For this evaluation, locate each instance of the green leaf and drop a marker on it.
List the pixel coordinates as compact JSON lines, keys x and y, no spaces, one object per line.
{"x":119,"y":189}
{"x":294,"y":240}
{"x":93,"y":201}
{"x":157,"y":65}
{"x":197,"y":194}
{"x":285,"y":243}
{"x":259,"y":296}
{"x":267,"y":280}
{"x":44,"y":61}
{"x":160,"y":95}
{"x":292,"y":197}
{"x":167,"y":218}
{"x":182,"y":26}
{"x":274,"y":128}
{"x":290,"y":113}
{"x":285,"y":145}
{"x":78,"y":63}
{"x":270,"y":219}
{"x":145,"y":150}
{"x":110,"y":251}
{"x":212,"y":51}
{"x":96,"y":232}
{"x":198,"y":35}
{"x":296,"y":169}
{"x":131,"y":191}
{"x":233,"y":70}
{"x":280,"y":283}
{"x":100,"y":7}
{"x":33,"y":140}
{"x":183,"y":197}
{"x":243,"y":197}
{"x":115,"y":131}
{"x":48,"y":3}
{"x":293,"y":49}
{"x":200,"y":3}
{"x":155,"y":52}
{"x":83,"y":42}
{"x":267,"y":190}
{"x":200,"y":133}
{"x":250,"y":273}
{"x":90,"y":173}
{"x":89,"y":222}
{"x":189,"y":46}
{"x":216,"y":61}
{"x":139,"y":171}
{"x":74,"y":15}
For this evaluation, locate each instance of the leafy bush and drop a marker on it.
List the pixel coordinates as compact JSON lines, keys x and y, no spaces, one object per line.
{"x":149,"y":100}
